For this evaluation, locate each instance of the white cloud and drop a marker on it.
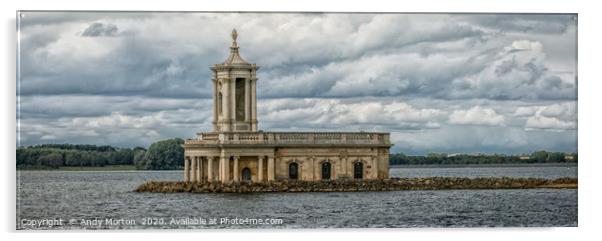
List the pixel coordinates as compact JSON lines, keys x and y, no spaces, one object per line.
{"x":555,"y":117}
{"x":540,"y":122}
{"x":476,"y":115}
{"x":525,"y":110}
{"x":516,"y":71}
{"x":48,"y":137}
{"x":326,"y":113}
{"x":118,"y":120}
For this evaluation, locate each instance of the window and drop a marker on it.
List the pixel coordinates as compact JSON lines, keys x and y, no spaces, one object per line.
{"x":326,"y":170}
{"x":293,"y":171}
{"x":240,"y":99}
{"x":246,"y":174}
{"x":219,"y":103}
{"x":358,"y":170}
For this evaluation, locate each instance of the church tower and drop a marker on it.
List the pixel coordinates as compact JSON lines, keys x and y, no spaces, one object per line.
{"x":234,"y":93}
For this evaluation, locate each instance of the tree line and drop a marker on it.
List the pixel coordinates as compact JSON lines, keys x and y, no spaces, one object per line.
{"x":464,"y":159}
{"x":169,"y":155}
{"x":161,"y":155}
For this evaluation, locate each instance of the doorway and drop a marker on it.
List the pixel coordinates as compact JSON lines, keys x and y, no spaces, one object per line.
{"x":325,"y":170}
{"x":293,"y":171}
{"x":358,"y":170}
{"x":246,"y":174}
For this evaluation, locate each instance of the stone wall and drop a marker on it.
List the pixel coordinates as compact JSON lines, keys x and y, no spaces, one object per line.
{"x":351,"y":185}
{"x":374,"y":161}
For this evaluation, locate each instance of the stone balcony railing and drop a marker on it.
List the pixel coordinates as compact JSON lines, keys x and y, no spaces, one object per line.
{"x":291,"y":138}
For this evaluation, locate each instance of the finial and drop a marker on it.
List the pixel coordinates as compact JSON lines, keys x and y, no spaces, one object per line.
{"x":234,"y":34}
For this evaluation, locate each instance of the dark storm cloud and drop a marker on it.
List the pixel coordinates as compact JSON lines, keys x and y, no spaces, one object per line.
{"x":153,"y":61}
{"x":100,"y":29}
{"x":41,"y":18}
{"x":132,"y":78}
{"x":130,"y":69}
{"x":526,"y":23}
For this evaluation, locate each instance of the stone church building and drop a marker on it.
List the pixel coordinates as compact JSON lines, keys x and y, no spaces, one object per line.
{"x":236,"y":151}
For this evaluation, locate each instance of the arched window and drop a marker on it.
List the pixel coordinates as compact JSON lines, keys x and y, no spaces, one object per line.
{"x":246,"y":174}
{"x":326,"y":170}
{"x":358,"y":170}
{"x":293,"y":171}
{"x":219,"y":103}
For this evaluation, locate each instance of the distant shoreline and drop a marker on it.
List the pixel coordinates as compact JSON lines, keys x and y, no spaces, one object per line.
{"x":553,"y":164}
{"x":133,"y":168}
{"x":72,"y":168}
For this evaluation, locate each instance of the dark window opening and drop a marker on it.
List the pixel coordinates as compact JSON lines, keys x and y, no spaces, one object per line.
{"x":326,"y":170}
{"x":293,"y":171}
{"x":219,"y":103}
{"x":240,"y":99}
{"x":358,"y":170}
{"x":246,"y":174}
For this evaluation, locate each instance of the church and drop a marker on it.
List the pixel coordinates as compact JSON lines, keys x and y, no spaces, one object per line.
{"x":236,"y":151}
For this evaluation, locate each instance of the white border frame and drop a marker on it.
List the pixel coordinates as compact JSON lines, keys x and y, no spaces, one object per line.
{"x":589,"y":166}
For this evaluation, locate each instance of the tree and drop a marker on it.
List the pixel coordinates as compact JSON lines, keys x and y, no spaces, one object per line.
{"x":140,"y":159}
{"x":52,"y":159}
{"x":539,"y":157}
{"x":166,"y":154}
{"x":556,"y":157}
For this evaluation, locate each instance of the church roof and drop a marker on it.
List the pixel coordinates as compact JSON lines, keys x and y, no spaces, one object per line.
{"x":234,"y":57}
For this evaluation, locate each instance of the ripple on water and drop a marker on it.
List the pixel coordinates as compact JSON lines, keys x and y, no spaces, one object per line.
{"x":77,"y":195}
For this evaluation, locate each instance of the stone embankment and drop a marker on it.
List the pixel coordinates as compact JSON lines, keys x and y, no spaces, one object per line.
{"x":393,"y":184}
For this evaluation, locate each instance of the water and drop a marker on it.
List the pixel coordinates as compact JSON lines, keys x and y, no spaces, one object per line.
{"x":538,"y":171}
{"x":91,"y":196}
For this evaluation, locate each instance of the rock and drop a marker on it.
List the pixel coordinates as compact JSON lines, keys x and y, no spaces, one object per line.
{"x":344,"y":185}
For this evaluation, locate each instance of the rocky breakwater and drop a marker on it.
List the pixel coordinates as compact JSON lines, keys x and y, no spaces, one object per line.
{"x":352,"y":185}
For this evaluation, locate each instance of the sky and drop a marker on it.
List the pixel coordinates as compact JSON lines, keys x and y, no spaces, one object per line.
{"x":452,"y":83}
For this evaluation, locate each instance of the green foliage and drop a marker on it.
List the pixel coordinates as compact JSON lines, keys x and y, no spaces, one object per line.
{"x":140,"y":160}
{"x":57,"y":155}
{"x":161,"y":155}
{"x":464,"y":159}
{"x":164,"y":155}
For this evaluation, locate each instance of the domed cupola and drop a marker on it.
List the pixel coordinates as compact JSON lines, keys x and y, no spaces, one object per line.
{"x":234,"y":89}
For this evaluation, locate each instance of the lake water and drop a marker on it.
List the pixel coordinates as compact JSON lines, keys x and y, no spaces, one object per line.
{"x":104,"y":200}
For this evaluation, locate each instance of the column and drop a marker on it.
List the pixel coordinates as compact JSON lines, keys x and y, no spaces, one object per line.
{"x":235,"y":171}
{"x":224,"y":170}
{"x":232,"y":101}
{"x":253,"y":105}
{"x":345,"y":166}
{"x":260,"y":169}
{"x":186,"y":171}
{"x":312,"y":160}
{"x":214,"y":104}
{"x":193,"y":175}
{"x":220,"y":175}
{"x":375,"y":166}
{"x":210,"y":169}
{"x":270,"y":168}
{"x":226,"y":104}
{"x":248,"y":102}
{"x":199,"y":167}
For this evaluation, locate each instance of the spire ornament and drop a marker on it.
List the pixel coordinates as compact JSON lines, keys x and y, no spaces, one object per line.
{"x":234,"y":57}
{"x":234,"y":36}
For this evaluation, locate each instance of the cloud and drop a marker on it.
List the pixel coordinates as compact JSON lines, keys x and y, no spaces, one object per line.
{"x":129,"y":79}
{"x":100,"y":30}
{"x":476,"y":116}
{"x":540,"y":122}
{"x":334,"y":114}
{"x":517,"y":71}
{"x":555,"y":117}
{"x":523,"y":23}
{"x":386,"y":54}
